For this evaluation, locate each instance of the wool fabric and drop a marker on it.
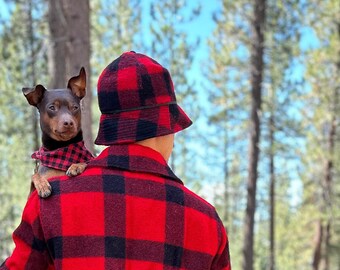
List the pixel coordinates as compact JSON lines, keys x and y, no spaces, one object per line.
{"x":127,"y":210}
{"x":62,"y":158}
{"x":137,"y":100}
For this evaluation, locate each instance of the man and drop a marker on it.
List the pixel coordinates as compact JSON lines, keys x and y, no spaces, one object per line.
{"x":128,"y":210}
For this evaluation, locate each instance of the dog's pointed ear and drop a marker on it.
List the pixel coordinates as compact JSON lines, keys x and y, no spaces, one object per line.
{"x":77,"y":84}
{"x":34,"y":95}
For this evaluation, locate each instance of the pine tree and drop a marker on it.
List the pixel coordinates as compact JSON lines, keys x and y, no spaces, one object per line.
{"x":23,"y":61}
{"x":228,"y":88}
{"x":283,"y":22}
{"x":115,"y":28}
{"x":170,"y":46}
{"x":256,"y":80}
{"x":322,"y":117}
{"x":229,"y":76}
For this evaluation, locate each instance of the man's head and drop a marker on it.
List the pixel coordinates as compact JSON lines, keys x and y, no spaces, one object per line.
{"x":137,"y":101}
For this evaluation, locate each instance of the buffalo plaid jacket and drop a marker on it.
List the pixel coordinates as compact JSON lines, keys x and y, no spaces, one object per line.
{"x":126,"y":211}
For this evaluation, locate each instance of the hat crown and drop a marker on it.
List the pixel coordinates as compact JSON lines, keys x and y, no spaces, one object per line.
{"x":133,"y":82}
{"x":137,"y":100}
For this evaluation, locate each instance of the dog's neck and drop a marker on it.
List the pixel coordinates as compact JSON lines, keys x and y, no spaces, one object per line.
{"x":52,"y":144}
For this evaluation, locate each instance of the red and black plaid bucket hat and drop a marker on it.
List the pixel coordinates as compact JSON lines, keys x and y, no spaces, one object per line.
{"x":137,"y":101}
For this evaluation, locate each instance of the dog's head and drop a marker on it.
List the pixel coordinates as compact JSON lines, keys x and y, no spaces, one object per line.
{"x":60,"y":113}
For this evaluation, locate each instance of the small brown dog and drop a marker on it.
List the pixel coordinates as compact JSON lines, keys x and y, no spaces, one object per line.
{"x":63,"y":151}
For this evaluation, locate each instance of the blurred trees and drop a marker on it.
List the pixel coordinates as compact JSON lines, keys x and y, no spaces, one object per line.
{"x":23,"y":61}
{"x":283,"y":129}
{"x":258,"y":20}
{"x":36,"y":50}
{"x":321,"y":120}
{"x":115,"y":28}
{"x":296,"y":222}
{"x":171,"y":47}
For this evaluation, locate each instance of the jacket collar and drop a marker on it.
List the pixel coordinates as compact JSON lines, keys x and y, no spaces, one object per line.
{"x":136,"y":158}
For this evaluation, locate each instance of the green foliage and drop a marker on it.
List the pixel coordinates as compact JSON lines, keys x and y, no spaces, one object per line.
{"x":115,"y":28}
{"x":229,"y":95}
{"x":16,"y":124}
{"x":285,"y":98}
{"x":321,"y":121}
{"x":171,"y":47}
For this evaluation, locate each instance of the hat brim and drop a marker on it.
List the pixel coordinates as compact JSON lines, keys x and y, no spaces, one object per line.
{"x":138,"y":125}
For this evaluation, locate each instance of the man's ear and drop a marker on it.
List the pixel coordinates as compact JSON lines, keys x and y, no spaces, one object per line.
{"x":77,"y":84}
{"x":34,"y":95}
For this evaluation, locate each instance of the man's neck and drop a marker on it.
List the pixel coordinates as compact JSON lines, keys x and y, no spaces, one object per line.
{"x":162,"y":144}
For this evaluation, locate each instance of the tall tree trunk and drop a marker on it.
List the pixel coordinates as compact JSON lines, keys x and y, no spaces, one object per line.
{"x":272,"y":194}
{"x":327,"y":245}
{"x":78,"y":55}
{"x":257,"y":51}
{"x":328,"y":180}
{"x":70,"y":30}
{"x":57,"y":25}
{"x":328,"y":184}
{"x":317,"y":245}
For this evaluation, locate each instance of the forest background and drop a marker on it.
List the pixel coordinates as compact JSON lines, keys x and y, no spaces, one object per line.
{"x":260,"y":79}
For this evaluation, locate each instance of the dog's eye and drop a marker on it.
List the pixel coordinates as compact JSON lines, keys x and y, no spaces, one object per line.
{"x":75,"y":107}
{"x":52,"y":108}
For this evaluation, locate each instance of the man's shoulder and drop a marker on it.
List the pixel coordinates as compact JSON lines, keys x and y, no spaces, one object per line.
{"x":192,"y":201}
{"x":94,"y":178}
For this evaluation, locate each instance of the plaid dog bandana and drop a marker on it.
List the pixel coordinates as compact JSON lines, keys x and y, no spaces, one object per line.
{"x":62,"y":158}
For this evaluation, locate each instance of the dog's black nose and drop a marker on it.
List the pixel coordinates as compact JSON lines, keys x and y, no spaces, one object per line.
{"x":68,"y":123}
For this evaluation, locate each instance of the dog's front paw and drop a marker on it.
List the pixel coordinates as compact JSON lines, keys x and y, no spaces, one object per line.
{"x":42,"y":186}
{"x":76,"y":169}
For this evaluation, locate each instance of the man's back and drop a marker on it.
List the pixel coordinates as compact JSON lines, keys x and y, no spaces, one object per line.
{"x":129,"y":211}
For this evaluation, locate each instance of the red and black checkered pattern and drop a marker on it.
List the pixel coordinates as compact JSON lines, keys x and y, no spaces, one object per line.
{"x":126,"y":211}
{"x":62,"y":158}
{"x":137,"y":100}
